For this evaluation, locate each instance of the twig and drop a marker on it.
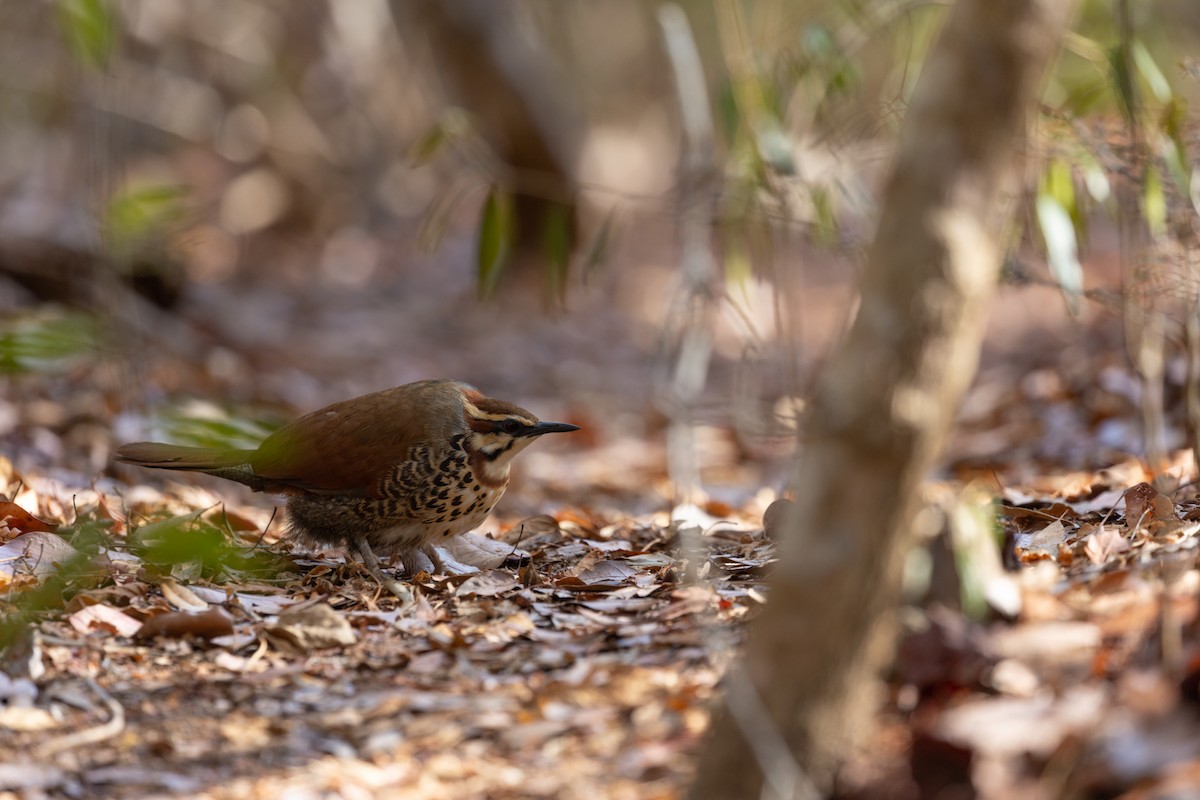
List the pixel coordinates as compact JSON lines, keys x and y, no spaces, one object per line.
{"x":779,"y":768}
{"x":87,"y":736}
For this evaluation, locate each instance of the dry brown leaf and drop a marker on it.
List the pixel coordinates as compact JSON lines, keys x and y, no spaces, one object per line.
{"x":176,"y":624}
{"x":480,"y":551}
{"x":104,"y":617}
{"x":311,"y":628}
{"x":18,"y":519}
{"x":181,"y":597}
{"x":37,"y":554}
{"x":1104,"y":543}
{"x":1145,"y":504}
{"x":602,"y":576}
{"x":488,"y":584}
{"x":1043,"y":543}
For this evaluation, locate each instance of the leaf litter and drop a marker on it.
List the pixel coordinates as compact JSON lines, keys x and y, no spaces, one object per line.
{"x":569,"y":654}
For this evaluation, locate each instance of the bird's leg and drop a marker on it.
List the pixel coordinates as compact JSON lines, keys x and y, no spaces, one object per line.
{"x":431,"y":553}
{"x":366,"y":555}
{"x":419,"y":558}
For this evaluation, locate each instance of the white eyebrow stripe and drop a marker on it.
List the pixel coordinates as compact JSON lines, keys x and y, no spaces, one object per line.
{"x":475,"y":412}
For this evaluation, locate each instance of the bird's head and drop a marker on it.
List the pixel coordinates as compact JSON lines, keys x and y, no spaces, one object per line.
{"x":497,"y":431}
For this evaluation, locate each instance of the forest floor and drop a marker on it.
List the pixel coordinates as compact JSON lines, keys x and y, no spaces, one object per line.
{"x":176,"y":645}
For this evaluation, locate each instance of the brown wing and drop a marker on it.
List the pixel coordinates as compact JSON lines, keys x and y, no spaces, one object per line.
{"x":351,"y":446}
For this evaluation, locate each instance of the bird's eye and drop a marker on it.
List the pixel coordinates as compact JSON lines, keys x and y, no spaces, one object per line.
{"x":511,"y":426}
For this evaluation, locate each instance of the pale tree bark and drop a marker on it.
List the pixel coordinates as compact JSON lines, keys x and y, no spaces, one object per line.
{"x":883,"y":408}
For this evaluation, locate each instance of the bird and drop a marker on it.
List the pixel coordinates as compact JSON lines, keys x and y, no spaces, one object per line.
{"x":395,"y":471}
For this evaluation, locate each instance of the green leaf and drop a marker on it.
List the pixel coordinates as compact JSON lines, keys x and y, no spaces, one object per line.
{"x":427,"y":146}
{"x":1154,"y":203}
{"x":1122,"y":82}
{"x":1062,"y":249}
{"x":738,"y":267}
{"x":221,"y":429}
{"x":1058,"y":184}
{"x":90,"y":30}
{"x":826,"y":225}
{"x":496,"y":231}
{"x":138,"y":216}
{"x":47,"y":343}
{"x":453,"y":124}
{"x":191,"y":546}
{"x":557,"y":243}
{"x":728,"y":114}
{"x":1173,"y":123}
{"x":598,"y":250}
{"x":1160,"y":87}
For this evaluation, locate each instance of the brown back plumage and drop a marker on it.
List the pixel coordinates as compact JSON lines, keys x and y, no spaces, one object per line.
{"x":345,"y":448}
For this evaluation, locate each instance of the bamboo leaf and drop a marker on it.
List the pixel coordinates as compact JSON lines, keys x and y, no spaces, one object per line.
{"x":1160,"y":87}
{"x":1062,"y":250}
{"x":136,"y":216}
{"x":1154,"y":202}
{"x":557,"y":242}
{"x":496,"y":230}
{"x":598,"y":250}
{"x":90,"y":30}
{"x":425,"y":148}
{"x":1123,"y":82}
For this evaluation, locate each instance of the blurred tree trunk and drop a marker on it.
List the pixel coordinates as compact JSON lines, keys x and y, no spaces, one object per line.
{"x":491,"y":67}
{"x":883,"y":407}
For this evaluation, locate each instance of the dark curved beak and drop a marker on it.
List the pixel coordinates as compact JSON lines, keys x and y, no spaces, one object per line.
{"x":550,"y":427}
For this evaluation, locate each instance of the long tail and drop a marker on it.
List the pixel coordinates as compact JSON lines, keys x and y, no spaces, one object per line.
{"x":231,"y":464}
{"x":190,"y":459}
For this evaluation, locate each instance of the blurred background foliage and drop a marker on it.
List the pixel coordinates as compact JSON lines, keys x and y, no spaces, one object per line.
{"x":163,"y":154}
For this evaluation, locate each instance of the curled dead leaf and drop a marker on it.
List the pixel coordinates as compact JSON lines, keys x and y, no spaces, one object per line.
{"x":18,"y":519}
{"x":1104,"y":543}
{"x":1145,"y":504}
{"x":488,"y":584}
{"x":482,"y":552}
{"x":103,"y":617}
{"x":599,"y":577}
{"x":176,"y":624}
{"x":315,"y":627}
{"x":181,"y":597}
{"x":1041,"y":544}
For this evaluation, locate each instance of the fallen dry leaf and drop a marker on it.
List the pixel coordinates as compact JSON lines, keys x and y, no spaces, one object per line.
{"x":37,"y":554}
{"x":1043,"y":543}
{"x":1105,"y":542}
{"x":1145,"y":504}
{"x":104,"y":617}
{"x":18,"y":519}
{"x":176,"y":624}
{"x":482,"y":552}
{"x":181,"y":597}
{"x":488,"y":584}
{"x":600,"y":577}
{"x":311,"y":628}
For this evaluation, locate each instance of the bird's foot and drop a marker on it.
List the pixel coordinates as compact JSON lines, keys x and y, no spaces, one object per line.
{"x":369,"y":560}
